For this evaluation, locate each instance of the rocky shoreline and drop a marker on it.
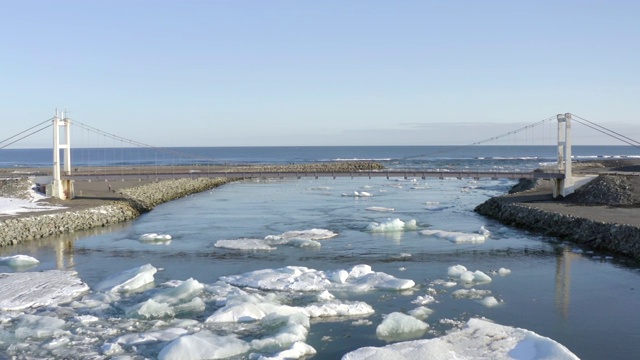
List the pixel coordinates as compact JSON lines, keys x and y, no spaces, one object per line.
{"x":137,"y":200}
{"x":530,"y":208}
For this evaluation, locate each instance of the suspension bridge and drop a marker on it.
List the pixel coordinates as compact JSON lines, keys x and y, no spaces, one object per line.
{"x":159,"y":163}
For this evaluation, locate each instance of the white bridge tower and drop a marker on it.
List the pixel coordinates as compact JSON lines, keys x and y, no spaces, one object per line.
{"x":61,"y":188}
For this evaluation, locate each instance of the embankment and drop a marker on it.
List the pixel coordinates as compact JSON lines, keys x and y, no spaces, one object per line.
{"x":596,"y":231}
{"x":136,"y":200}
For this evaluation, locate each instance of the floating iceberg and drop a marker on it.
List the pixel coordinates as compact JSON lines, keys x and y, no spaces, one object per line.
{"x":19,"y":261}
{"x":401,"y":326}
{"x":379,"y":209}
{"x":359,"y":194}
{"x":479,"y":339}
{"x":395,"y":225}
{"x":203,"y":345}
{"x":153,"y":237}
{"x":128,"y":280}
{"x":456,"y":237}
{"x":244,"y":244}
{"x":298,"y":278}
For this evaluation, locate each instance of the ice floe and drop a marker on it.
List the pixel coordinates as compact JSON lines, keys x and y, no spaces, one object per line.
{"x":358,"y":194}
{"x":153,"y":238}
{"x":456,"y":237}
{"x":298,"y":278}
{"x":380,"y":209}
{"x":203,"y":345}
{"x":129,"y":280}
{"x":392,"y":225}
{"x":36,"y":289}
{"x":479,"y":339}
{"x":19,"y":261}
{"x":244,"y":244}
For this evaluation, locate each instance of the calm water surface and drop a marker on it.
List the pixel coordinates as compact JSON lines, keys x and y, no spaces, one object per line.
{"x":586,"y":301}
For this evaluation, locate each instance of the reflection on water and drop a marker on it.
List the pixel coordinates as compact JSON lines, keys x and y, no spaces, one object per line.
{"x":563,"y":281}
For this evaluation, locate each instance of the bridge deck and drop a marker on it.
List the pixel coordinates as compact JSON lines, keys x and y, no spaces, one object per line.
{"x":107,"y":176}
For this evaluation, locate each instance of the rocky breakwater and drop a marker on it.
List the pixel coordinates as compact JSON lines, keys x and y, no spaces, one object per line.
{"x":602,"y":215}
{"x":134,"y":202}
{"x":338,"y":167}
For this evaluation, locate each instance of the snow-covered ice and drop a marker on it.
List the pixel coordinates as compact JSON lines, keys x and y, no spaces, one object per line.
{"x":36,"y":289}
{"x":479,"y":339}
{"x":244,"y":244}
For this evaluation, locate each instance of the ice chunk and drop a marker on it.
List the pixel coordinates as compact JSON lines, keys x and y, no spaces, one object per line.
{"x":337,"y":308}
{"x":395,"y":225}
{"x":398,"y":325}
{"x":35,"y":289}
{"x":128,"y":280}
{"x":151,"y":337}
{"x":484,"y":231}
{"x":470,"y":294}
{"x":203,"y":345}
{"x":19,"y":261}
{"x":34,"y":326}
{"x":153,"y":238}
{"x":290,"y":278}
{"x":489,"y":301}
{"x":504,"y":272}
{"x":479,"y":339}
{"x":311,"y":234}
{"x":297,"y":278}
{"x":250,"y":307}
{"x":456,"y":237}
{"x":379,"y":209}
{"x":289,"y":330}
{"x":424,"y":300}
{"x":244,"y":244}
{"x":456,"y":270}
{"x":358,"y":194}
{"x":420,"y":312}
{"x":298,"y":350}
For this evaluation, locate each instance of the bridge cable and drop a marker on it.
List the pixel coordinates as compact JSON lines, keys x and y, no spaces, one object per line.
{"x":26,"y":136}
{"x":140,"y":144}
{"x":541,"y":122}
{"x":607,"y":131}
{"x":22,"y":132}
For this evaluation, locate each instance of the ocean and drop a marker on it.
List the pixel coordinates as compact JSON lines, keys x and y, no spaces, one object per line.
{"x":407,"y":229}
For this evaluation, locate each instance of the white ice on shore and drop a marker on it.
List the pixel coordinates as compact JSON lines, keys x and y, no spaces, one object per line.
{"x":19,"y":291}
{"x":128,"y":280}
{"x":456,"y":237}
{"x":30,"y":203}
{"x":392,"y":225}
{"x":19,"y":261}
{"x":479,"y":339}
{"x":299,"y":278}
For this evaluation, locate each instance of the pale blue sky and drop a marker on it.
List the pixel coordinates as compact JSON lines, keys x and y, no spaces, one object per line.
{"x":330,"y":72}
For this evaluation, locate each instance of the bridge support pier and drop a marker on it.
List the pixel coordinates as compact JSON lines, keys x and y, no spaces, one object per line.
{"x":61,"y":188}
{"x":565,"y":185}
